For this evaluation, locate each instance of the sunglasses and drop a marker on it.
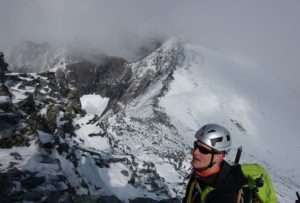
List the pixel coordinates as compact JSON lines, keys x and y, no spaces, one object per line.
{"x":204,"y":150}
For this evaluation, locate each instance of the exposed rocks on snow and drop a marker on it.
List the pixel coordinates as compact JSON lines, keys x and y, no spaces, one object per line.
{"x":46,"y":140}
{"x":72,"y":153}
{"x":239,"y":126}
{"x":53,"y":151}
{"x":3,"y":67}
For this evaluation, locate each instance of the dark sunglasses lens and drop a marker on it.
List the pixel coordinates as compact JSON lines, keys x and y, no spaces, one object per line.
{"x":195,"y":145}
{"x":203,"y":150}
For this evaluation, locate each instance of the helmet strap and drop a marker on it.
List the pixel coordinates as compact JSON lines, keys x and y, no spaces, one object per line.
{"x":211,"y":161}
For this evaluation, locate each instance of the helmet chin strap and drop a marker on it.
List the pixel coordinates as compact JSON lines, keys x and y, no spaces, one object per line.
{"x":211,"y":161}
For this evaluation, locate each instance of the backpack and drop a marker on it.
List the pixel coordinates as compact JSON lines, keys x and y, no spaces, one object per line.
{"x":259,"y":187}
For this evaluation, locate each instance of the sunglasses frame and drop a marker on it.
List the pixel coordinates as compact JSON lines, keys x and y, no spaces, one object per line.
{"x":204,"y":150}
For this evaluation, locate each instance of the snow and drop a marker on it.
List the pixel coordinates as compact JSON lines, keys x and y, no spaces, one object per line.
{"x":27,"y":79}
{"x":69,"y":171}
{"x":117,"y":179}
{"x":205,"y":91}
{"x":89,"y":133}
{"x":118,"y":185}
{"x":4,"y":99}
{"x":92,"y":177}
{"x":93,"y":104}
{"x":19,"y":94}
{"x":25,"y":153}
{"x":59,"y":121}
{"x":166,"y":170}
{"x":36,"y":164}
{"x":46,"y":137}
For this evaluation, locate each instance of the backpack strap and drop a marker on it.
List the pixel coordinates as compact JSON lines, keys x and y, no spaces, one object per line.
{"x":202,"y":193}
{"x":239,"y":197}
{"x":244,"y":195}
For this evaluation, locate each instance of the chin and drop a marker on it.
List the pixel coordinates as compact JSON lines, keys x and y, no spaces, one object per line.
{"x":196,"y":164}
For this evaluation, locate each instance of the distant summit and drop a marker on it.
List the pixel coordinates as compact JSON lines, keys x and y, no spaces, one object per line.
{"x":29,"y":56}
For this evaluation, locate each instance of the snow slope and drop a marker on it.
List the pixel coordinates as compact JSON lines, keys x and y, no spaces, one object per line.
{"x":93,"y":104}
{"x":204,"y":86}
{"x":143,"y":149}
{"x":212,"y":88}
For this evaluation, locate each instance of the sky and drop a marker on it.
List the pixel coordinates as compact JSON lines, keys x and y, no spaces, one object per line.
{"x":262,"y":34}
{"x":266,"y":32}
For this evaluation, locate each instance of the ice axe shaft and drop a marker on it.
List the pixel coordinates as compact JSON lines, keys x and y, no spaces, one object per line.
{"x":238,"y":155}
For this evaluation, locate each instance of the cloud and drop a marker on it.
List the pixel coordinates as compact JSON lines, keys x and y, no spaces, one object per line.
{"x":264,"y":34}
{"x":254,"y":28}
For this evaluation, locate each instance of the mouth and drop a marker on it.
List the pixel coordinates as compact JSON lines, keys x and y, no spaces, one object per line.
{"x":194,"y":158}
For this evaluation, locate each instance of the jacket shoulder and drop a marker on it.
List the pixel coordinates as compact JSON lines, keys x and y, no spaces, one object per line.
{"x":231,"y":177}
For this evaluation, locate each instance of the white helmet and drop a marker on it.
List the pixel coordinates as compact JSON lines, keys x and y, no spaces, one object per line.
{"x":215,"y":136}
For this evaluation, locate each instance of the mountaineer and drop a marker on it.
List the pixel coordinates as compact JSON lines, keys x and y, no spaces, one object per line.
{"x":215,"y":180}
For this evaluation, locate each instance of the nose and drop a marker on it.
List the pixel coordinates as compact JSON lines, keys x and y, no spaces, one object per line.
{"x":196,"y":151}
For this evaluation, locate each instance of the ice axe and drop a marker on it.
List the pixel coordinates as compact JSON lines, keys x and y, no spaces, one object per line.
{"x":298,"y":198}
{"x":238,"y":155}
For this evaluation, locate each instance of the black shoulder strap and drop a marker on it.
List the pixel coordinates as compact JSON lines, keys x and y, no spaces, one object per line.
{"x":231,"y":177}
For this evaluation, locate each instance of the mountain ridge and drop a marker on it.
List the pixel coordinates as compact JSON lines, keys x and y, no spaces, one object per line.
{"x":139,"y":146}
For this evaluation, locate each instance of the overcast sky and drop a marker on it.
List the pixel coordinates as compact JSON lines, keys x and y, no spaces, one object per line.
{"x":265,"y":33}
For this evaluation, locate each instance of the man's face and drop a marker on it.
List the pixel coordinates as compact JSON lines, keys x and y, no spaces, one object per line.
{"x":201,"y":160}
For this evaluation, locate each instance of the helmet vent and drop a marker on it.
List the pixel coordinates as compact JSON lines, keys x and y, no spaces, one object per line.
{"x":215,"y":140}
{"x":212,"y":131}
{"x":228,"y":137}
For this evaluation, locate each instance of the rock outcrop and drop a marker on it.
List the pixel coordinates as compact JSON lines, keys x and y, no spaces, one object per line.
{"x":53,"y":151}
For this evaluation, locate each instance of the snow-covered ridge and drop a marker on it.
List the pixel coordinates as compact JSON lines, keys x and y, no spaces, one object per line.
{"x":141,"y":145}
{"x":201,"y":89}
{"x":70,"y":150}
{"x":211,"y":87}
{"x":33,"y":57}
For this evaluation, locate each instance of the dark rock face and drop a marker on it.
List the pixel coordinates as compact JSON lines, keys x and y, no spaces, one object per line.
{"x":28,"y":105}
{"x":3,"y":67}
{"x":29,"y":182}
{"x":71,"y":162}
{"x":4,"y":90}
{"x":6,"y":184}
{"x":109,"y":78}
{"x":41,"y":93}
{"x":32,"y":182}
{"x":14,"y":177}
{"x":8,"y":123}
{"x":103,"y":79}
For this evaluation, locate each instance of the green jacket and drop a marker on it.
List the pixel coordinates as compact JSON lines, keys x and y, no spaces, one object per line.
{"x":232,"y":183}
